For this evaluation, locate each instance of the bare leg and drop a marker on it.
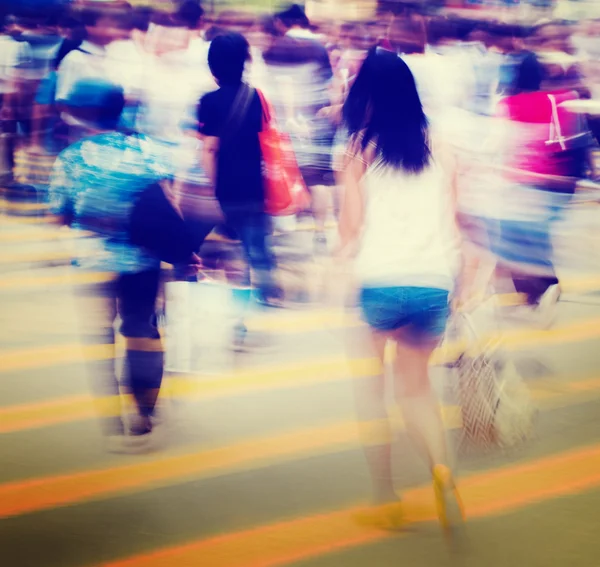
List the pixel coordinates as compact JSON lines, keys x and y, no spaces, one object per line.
{"x":417,"y":401}
{"x":97,"y":307}
{"x":374,"y":426}
{"x":320,"y":205}
{"x":424,"y":422}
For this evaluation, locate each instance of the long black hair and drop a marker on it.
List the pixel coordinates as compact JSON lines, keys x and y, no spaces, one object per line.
{"x":383,"y":106}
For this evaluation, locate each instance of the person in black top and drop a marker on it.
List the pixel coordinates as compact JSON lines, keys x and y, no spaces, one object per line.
{"x":230,"y":121}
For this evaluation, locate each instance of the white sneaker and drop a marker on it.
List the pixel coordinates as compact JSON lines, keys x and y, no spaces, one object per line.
{"x":546,"y":308}
{"x":130,"y":444}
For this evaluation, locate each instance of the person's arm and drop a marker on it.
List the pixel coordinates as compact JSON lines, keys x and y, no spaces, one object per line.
{"x":353,"y":201}
{"x":209,"y":127}
{"x":210,"y":150}
{"x":42,"y":109}
{"x":69,"y":71}
{"x":60,"y":194}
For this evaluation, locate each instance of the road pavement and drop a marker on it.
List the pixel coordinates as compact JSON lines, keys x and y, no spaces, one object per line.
{"x":261,"y":466}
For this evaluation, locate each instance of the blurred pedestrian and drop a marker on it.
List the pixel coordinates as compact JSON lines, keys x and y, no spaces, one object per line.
{"x":546,"y":154}
{"x":299,"y":88}
{"x":95,"y":185}
{"x":398,"y":217}
{"x":15,"y":57}
{"x":230,"y":121}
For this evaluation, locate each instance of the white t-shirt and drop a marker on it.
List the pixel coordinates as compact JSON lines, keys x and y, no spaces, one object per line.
{"x":89,"y":61}
{"x":409,"y":236}
{"x":12,"y":55}
{"x":128,"y":64}
{"x":173,"y":85}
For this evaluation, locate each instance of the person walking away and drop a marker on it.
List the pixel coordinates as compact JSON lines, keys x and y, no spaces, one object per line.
{"x":176,"y":56}
{"x":398,"y":221}
{"x":49,"y":132}
{"x":15,"y":55}
{"x":89,"y":60}
{"x":440,"y":81}
{"x":230,"y":121}
{"x":94,"y":186}
{"x":546,"y":153}
{"x":128,"y":61}
{"x":300,"y":77}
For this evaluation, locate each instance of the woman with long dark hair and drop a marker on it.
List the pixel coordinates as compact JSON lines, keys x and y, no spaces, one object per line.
{"x":398,"y":218}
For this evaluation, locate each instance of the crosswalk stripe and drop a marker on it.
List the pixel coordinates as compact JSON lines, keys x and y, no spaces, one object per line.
{"x":72,"y":278}
{"x":511,"y":339}
{"x":497,"y":492}
{"x":37,"y":220}
{"x":305,"y":374}
{"x":21,"y":497}
{"x":35,"y":235}
{"x":23,"y":206}
{"x":81,"y":407}
{"x":50,"y":257}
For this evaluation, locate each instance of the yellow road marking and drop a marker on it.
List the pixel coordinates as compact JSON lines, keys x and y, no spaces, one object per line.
{"x":36,"y":257}
{"x":497,"y":492}
{"x":79,"y":407}
{"x":39,"y":235}
{"x":7,"y":219}
{"x":27,"y":359}
{"x":75,"y":277}
{"x":23,"y":206}
{"x":23,"y":497}
{"x":514,"y":339}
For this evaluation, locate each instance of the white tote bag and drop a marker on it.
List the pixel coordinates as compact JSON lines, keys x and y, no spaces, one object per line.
{"x":200,"y":319}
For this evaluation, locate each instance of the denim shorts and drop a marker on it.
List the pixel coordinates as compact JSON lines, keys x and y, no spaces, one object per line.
{"x":424,"y":311}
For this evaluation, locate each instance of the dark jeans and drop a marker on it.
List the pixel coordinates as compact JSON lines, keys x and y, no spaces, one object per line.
{"x":133,"y":298}
{"x":252,"y":228}
{"x":533,"y":287}
{"x":253,"y":231}
{"x":531,"y":244}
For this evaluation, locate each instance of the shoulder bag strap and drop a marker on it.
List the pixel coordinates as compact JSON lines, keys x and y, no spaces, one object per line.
{"x":239,"y":110}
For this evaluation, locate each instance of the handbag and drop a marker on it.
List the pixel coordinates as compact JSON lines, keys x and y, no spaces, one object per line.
{"x":199,"y":324}
{"x":239,"y":110}
{"x":150,"y":221}
{"x":496,"y":408}
{"x":285,"y":191}
{"x":155,"y":224}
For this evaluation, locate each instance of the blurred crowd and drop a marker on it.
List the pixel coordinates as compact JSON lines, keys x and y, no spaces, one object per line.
{"x":103,"y":104}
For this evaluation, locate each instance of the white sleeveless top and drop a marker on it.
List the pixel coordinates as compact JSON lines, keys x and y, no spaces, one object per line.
{"x":410,"y":237}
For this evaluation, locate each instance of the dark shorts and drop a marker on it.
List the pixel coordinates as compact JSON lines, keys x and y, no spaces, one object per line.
{"x":315,"y":176}
{"x":423,"y":311}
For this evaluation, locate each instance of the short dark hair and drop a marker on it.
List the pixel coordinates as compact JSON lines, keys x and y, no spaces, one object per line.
{"x":190,"y":13}
{"x":294,"y":16}
{"x":90,"y":16}
{"x":269,"y":26}
{"x":408,"y":34}
{"x":140,"y":18}
{"x":227,"y":57}
{"x":164,"y":19}
{"x":529,"y":76}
